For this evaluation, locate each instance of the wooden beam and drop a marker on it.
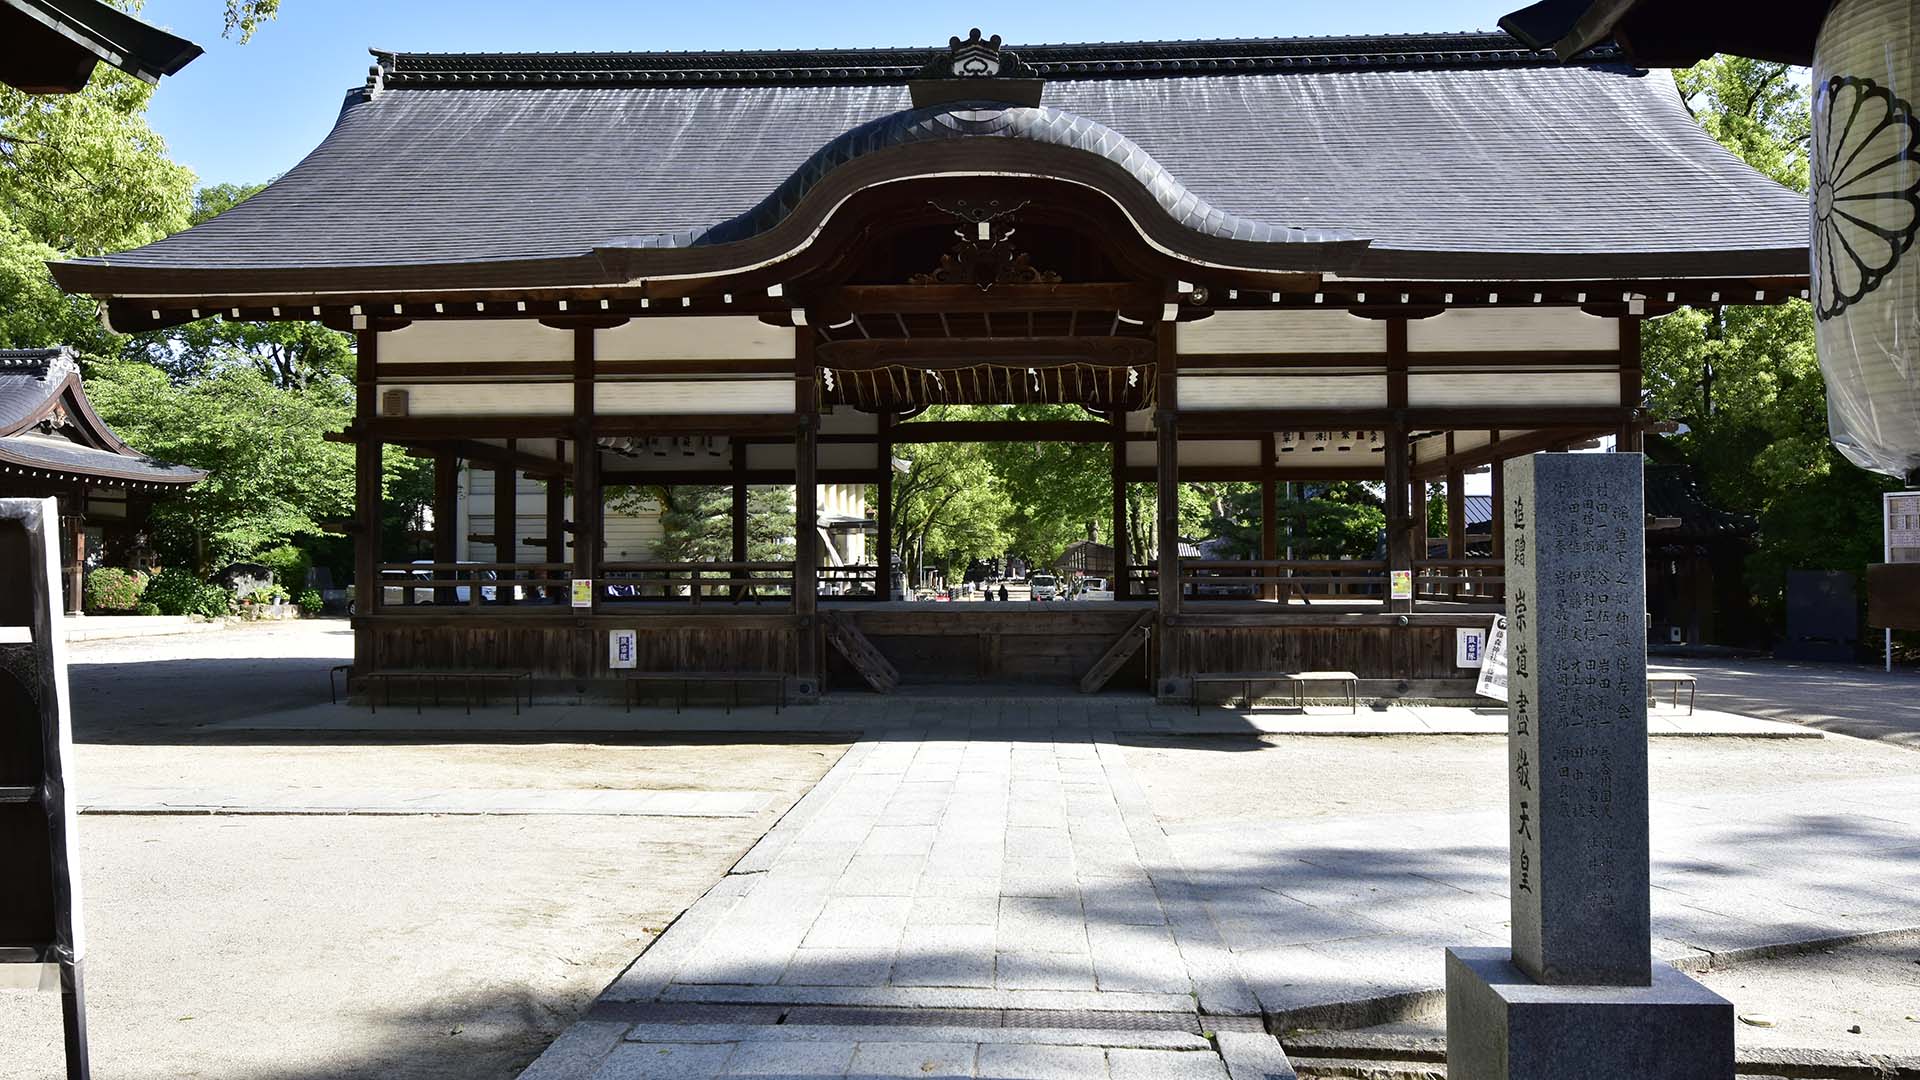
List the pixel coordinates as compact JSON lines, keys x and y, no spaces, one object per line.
{"x":557,"y":514}
{"x":931,"y":353}
{"x":1396,"y":363}
{"x":1524,"y":443}
{"x":977,"y":431}
{"x":1253,"y":422}
{"x":497,"y":456}
{"x":837,"y":304}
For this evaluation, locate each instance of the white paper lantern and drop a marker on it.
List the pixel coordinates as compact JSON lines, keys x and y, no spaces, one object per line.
{"x":1866,"y":213}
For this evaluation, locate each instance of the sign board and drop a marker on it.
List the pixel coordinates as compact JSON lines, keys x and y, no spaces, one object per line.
{"x":42,"y":945}
{"x":1469,"y":646}
{"x":1493,"y":665}
{"x":1401,"y":585}
{"x":620,"y":648}
{"x":1902,"y":525}
{"x":582,"y":593}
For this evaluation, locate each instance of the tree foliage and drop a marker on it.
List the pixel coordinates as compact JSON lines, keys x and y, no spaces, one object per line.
{"x":1744,"y":383}
{"x":697,"y":520}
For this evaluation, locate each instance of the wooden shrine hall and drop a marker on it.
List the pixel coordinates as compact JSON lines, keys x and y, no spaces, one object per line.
{"x":1395,"y":260}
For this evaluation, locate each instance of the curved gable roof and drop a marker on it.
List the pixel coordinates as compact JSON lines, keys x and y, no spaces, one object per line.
{"x":1474,"y":162}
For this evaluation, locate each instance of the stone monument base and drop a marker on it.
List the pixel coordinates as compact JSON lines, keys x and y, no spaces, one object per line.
{"x":1501,"y":1025}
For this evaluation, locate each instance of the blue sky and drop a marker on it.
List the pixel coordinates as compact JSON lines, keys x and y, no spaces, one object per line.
{"x":241,"y":114}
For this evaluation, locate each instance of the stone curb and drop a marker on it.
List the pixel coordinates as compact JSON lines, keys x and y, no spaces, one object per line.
{"x":1367,"y":1012}
{"x":1375,"y":1056}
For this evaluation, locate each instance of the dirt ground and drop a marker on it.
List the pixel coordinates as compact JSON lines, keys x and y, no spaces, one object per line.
{"x":391,"y":946}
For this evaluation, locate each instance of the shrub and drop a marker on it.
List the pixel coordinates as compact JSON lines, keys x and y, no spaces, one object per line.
{"x":289,"y":565}
{"x":311,"y":602}
{"x":177,"y":592}
{"x":146,"y":607}
{"x":110,"y":589}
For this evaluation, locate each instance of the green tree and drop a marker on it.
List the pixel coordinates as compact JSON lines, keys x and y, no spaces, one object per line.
{"x":1744,"y":383}
{"x":697,"y":520}
{"x":271,"y":474}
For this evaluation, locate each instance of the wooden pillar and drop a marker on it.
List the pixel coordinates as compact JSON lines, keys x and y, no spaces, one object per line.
{"x":367,"y":591}
{"x":883,"y":514}
{"x":806,"y":495}
{"x":1166,"y":467}
{"x":1496,"y":528}
{"x":1456,"y":522}
{"x":586,"y":481}
{"x":70,"y":534}
{"x":1121,"y":584}
{"x":446,"y":520}
{"x":1630,"y":438}
{"x":737,"y":516}
{"x":1399,"y":514}
{"x":557,"y":517}
{"x":1422,"y":528}
{"x":1269,"y":516}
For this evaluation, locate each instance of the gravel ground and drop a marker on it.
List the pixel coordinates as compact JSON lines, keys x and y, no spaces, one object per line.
{"x":1813,"y":998}
{"x":1299,"y":778}
{"x":394,"y":947}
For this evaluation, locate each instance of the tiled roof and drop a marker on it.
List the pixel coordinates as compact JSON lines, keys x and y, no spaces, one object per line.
{"x":1472,"y":161}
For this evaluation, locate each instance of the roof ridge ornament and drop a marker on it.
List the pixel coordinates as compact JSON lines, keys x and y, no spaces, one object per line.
{"x":975,"y":69}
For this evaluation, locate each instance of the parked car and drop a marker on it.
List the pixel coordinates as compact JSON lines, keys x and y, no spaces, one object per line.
{"x":1042,"y":587}
{"x":1093,"y":588}
{"x":395,"y":586}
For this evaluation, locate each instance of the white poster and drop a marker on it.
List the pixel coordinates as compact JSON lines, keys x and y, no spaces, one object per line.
{"x":1493,"y":668}
{"x":1469,"y":646}
{"x":620,"y":648}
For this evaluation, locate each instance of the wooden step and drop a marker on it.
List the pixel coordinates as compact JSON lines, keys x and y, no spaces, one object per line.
{"x":860,"y":652}
{"x":1117,"y":654}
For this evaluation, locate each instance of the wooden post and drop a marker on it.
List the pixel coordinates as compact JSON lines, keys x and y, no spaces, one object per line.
{"x":446,"y":520}
{"x":1122,"y":588}
{"x":1496,"y":529}
{"x":1630,"y":437}
{"x":1269,"y":515}
{"x":367,"y":591}
{"x":70,"y":534}
{"x":506,"y":526}
{"x":1456,"y":521}
{"x":557,"y":518}
{"x":1399,"y":516}
{"x":883,"y":514}
{"x":806,"y":528}
{"x":586,"y":479}
{"x":738,"y":516}
{"x":1166,"y":468}
{"x":1420,"y":530}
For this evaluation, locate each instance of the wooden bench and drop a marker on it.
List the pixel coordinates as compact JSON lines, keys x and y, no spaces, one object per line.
{"x":1299,"y":679}
{"x":634,"y":679}
{"x":470,"y":680}
{"x":1676,"y":680}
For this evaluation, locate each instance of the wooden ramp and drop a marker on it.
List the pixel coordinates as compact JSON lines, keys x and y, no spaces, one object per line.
{"x":860,"y":652}
{"x":1117,"y":654}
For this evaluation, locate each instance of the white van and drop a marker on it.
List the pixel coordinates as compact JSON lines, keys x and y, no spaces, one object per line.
{"x":1093,"y":588}
{"x":1042,"y":587}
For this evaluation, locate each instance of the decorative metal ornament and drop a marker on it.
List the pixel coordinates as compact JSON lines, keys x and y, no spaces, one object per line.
{"x":1865,"y":209}
{"x":983,"y":254}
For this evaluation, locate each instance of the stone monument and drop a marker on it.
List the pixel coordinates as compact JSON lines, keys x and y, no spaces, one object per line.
{"x":1579,"y":994}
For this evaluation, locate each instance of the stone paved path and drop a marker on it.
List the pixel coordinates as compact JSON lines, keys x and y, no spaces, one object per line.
{"x":993,"y":907}
{"x":965,"y":901}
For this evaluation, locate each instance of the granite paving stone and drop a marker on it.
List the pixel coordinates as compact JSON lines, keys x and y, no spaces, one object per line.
{"x":934,"y":1061}
{"x":1017,"y":1062}
{"x":1130,"y":1064}
{"x":665,"y":1061}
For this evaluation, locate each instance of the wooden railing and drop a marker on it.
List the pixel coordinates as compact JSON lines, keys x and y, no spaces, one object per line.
{"x":1460,"y":579}
{"x":1250,"y":578}
{"x":695,"y":583}
{"x":848,"y":582}
{"x":471,"y":584}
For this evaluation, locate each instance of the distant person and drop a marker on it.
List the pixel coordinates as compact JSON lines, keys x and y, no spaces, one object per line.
{"x":1003,"y":592}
